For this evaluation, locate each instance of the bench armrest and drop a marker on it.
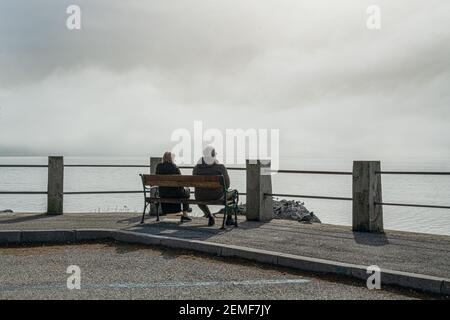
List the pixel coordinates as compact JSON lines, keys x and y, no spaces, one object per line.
{"x":149,"y":191}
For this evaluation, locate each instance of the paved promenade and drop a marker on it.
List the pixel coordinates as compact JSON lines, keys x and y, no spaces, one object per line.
{"x":401,"y":251}
{"x":127,"y":271}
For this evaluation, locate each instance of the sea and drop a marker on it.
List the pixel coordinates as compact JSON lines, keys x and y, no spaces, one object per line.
{"x":415,"y":189}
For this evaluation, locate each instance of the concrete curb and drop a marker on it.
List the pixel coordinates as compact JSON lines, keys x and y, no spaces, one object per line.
{"x":390,"y":277}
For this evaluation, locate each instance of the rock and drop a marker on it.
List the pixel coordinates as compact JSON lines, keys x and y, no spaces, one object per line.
{"x":293,"y":210}
{"x":288,"y":210}
{"x":6,"y":211}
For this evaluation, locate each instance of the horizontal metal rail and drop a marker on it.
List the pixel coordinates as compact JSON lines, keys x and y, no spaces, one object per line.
{"x":313,"y":172}
{"x":23,"y":192}
{"x":106,"y":166}
{"x":128,"y":166}
{"x":411,"y":205}
{"x":415,"y":173}
{"x":23,"y":166}
{"x":85,"y":192}
{"x":232,"y":169}
{"x":306,"y":196}
{"x":115,"y":192}
{"x":102,"y":192}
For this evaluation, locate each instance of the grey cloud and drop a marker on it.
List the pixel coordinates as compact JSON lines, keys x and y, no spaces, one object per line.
{"x":139,"y":69}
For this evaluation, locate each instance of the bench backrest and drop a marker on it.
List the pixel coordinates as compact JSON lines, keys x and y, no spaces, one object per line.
{"x":166,"y":180}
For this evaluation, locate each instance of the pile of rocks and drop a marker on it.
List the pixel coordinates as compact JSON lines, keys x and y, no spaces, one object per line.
{"x":288,"y":210}
{"x":293,"y":210}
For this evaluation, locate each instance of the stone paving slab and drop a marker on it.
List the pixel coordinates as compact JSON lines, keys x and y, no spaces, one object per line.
{"x":402,"y":251}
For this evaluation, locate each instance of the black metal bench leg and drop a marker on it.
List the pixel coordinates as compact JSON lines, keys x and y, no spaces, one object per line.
{"x":225,"y":214}
{"x":157,"y":211}
{"x":143,"y":213}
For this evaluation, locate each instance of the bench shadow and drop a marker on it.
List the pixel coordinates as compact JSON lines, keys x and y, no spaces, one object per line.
{"x":130,"y":220}
{"x":165,"y":253}
{"x":370,"y":239}
{"x":125,"y":248}
{"x":31,"y":217}
{"x":198,"y":230}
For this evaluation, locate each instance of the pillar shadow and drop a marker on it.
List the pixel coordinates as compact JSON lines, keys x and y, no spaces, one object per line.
{"x":370,"y":239}
{"x":30,"y":217}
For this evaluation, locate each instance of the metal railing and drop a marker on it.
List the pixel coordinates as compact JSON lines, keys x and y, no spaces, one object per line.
{"x":433,"y":173}
{"x":90,"y":166}
{"x":444,"y":173}
{"x":356,"y":201}
{"x":313,"y":172}
{"x":283,"y":171}
{"x":228,"y":168}
{"x":310,"y":196}
{"x":23,"y":166}
{"x":72,"y":166}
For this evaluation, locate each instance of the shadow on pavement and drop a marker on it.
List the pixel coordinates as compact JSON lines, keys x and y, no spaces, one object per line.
{"x":370,"y":239}
{"x":197,"y":229}
{"x":31,"y":217}
{"x":134,"y":219}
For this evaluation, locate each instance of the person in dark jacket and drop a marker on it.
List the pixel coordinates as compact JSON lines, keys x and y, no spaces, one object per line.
{"x":209,"y":166}
{"x":169,"y":167}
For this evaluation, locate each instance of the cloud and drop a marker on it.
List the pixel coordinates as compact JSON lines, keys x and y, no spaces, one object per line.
{"x":139,"y":70}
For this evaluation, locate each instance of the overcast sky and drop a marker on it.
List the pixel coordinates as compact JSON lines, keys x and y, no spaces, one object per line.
{"x":137,"y":70}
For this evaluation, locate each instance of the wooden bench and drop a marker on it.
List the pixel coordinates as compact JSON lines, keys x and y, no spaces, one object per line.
{"x":151,"y":182}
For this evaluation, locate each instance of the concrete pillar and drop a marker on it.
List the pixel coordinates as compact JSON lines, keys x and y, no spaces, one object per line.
{"x":55,"y":185}
{"x":259,"y":182}
{"x":153,"y":163}
{"x":367,"y":216}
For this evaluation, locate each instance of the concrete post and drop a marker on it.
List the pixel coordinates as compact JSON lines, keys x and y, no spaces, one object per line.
{"x":55,"y":185}
{"x":367,"y":216}
{"x":259,"y":207}
{"x":153,"y":163}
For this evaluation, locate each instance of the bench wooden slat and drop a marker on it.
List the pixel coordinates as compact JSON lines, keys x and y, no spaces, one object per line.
{"x":210,"y":182}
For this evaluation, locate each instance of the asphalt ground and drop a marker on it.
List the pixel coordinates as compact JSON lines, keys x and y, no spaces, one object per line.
{"x":112,"y":270}
{"x":401,"y":251}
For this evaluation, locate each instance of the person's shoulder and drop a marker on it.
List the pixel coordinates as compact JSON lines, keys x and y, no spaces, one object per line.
{"x":173,"y":165}
{"x":174,"y":168}
{"x":221,"y":166}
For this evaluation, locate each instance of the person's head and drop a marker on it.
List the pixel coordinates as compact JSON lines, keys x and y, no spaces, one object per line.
{"x":209,"y":152}
{"x":168,"y":157}
{"x":209,"y":155}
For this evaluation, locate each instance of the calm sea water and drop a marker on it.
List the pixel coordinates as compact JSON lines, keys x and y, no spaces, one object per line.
{"x":404,"y":189}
